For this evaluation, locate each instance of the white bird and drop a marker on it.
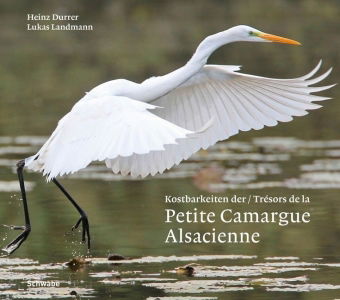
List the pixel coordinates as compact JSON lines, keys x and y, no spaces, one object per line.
{"x":145,"y":128}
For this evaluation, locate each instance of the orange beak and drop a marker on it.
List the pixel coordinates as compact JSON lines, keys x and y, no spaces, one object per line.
{"x":277,"y":39}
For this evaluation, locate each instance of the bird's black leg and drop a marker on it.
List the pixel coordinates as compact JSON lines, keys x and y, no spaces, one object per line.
{"x":15,"y":244}
{"x":83,"y":217}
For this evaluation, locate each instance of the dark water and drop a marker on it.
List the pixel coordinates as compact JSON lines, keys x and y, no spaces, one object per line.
{"x":128,"y":217}
{"x":44,"y":73}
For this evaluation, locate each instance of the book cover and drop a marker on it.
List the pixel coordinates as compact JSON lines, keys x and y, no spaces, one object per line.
{"x":169,"y":149}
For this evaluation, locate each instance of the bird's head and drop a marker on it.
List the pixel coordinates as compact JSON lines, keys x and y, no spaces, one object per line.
{"x":250,"y":34}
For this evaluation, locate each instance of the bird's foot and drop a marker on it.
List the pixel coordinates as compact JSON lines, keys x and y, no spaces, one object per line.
{"x":16,"y":243}
{"x":85,"y":230}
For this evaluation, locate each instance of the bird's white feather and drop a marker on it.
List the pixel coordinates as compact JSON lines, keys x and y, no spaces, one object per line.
{"x":102,"y":129}
{"x":236,"y":102}
{"x":218,"y":102}
{"x":214,"y":100}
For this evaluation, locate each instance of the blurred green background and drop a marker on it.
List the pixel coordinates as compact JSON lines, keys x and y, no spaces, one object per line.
{"x":43,"y":73}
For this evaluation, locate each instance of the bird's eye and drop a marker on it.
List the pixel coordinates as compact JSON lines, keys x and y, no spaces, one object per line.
{"x":251,"y":32}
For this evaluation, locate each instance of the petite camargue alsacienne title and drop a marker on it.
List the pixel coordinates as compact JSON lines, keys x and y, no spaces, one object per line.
{"x":226,"y":216}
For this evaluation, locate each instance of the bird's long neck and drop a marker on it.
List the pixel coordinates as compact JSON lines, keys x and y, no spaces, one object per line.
{"x":209,"y":45}
{"x":156,"y":87}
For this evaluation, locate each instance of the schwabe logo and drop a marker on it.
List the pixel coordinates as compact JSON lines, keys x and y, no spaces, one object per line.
{"x":43,"y":283}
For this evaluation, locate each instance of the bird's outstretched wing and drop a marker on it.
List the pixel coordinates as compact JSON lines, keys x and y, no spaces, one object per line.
{"x":102,"y":129}
{"x":236,"y":101}
{"x":137,"y":142}
{"x":239,"y":102}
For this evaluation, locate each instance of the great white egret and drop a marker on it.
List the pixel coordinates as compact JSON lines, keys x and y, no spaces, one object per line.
{"x":146,"y":128}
